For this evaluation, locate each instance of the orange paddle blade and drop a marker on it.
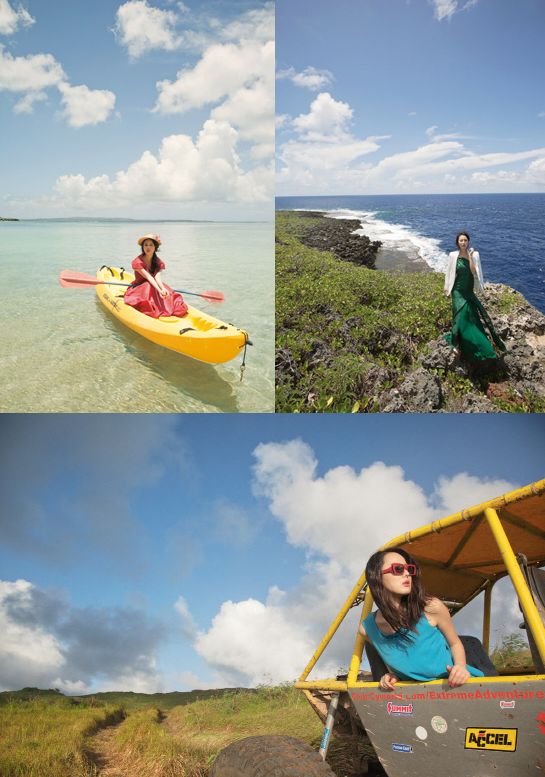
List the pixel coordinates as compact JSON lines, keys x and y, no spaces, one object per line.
{"x":73,"y":279}
{"x":212,"y":296}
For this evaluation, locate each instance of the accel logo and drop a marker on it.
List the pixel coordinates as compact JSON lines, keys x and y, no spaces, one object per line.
{"x":491,"y":738}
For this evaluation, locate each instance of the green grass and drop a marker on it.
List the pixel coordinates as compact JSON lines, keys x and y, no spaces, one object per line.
{"x":192,"y":735}
{"x":49,"y":736}
{"x":334,"y":321}
{"x":45,"y":737}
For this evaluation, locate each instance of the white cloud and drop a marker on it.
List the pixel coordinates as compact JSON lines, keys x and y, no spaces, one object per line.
{"x":328,"y":119}
{"x":251,"y":110}
{"x":541,"y":115}
{"x":231,"y":158}
{"x":255,"y":640}
{"x":183,"y":170}
{"x":84,"y":106}
{"x":46,"y":643}
{"x":10,"y":20}
{"x":324,"y":148}
{"x":29,"y":74}
{"x":339,"y":518}
{"x":445,"y":9}
{"x":141,"y":28}
{"x":188,"y":624}
{"x":237,"y":78}
{"x":25,"y":649}
{"x":536,"y":171}
{"x":254,"y":25}
{"x":310,"y":78}
{"x":325,"y":156}
{"x":223,"y":69}
{"x":464,"y":490}
{"x":34,"y":73}
{"x":26,"y":103}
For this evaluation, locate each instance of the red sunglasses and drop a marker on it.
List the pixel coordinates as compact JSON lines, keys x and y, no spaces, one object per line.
{"x":398,"y":569}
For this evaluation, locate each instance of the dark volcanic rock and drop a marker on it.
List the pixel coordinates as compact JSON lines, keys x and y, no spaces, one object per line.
{"x":336,"y":235}
{"x":420,"y":392}
{"x":476,"y":403}
{"x":286,"y":368}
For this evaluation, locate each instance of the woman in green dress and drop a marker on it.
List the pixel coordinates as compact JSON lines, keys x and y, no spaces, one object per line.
{"x":463,"y":278}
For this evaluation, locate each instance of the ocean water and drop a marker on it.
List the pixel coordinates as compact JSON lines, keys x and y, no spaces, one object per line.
{"x":61,"y":351}
{"x":506,"y":229}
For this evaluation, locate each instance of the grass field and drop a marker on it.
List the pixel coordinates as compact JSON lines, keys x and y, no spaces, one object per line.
{"x":44,"y":734}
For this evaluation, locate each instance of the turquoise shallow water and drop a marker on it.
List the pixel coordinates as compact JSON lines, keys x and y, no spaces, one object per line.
{"x":62,"y":352}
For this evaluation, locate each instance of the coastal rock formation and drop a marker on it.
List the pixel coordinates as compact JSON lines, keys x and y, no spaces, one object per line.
{"x":336,"y":235}
{"x":491,"y":388}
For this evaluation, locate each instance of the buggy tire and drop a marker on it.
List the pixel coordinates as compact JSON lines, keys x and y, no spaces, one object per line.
{"x":270,"y":756}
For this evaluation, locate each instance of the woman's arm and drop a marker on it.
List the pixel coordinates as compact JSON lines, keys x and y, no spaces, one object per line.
{"x":472,"y":265}
{"x":440,"y":617}
{"x":387,"y":681}
{"x":149,"y":277}
{"x":448,"y":277}
{"x":164,"y":292}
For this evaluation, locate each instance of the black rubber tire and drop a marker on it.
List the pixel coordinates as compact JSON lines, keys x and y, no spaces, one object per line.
{"x":270,"y":756}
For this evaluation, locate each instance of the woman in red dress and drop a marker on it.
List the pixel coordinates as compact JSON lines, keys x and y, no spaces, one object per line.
{"x":148,"y":293}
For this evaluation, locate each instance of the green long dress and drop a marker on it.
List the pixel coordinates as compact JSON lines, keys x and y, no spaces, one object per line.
{"x":469,"y":319}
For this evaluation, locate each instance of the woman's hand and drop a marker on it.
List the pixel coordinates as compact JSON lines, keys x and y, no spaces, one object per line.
{"x":387,"y":682}
{"x":458,"y":675}
{"x":163,"y":293}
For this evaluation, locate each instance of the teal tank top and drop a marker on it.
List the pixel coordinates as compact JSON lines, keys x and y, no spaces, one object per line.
{"x":425,"y":657}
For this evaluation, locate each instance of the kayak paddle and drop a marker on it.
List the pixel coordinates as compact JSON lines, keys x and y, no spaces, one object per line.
{"x":71,"y":279}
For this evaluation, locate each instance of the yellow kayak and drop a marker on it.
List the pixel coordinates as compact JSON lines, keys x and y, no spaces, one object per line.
{"x":197,"y":334}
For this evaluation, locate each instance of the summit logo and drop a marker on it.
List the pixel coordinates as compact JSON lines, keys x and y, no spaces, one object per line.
{"x":399,"y":709}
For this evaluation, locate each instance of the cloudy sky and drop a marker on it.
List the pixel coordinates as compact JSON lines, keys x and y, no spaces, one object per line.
{"x":146,"y":108}
{"x":170,"y":553}
{"x":410,"y":96}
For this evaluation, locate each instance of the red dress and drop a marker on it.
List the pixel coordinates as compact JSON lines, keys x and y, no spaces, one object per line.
{"x":145,"y":297}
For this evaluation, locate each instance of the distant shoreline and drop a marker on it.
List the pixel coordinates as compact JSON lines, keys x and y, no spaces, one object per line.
{"x":94,"y":219}
{"x":373,"y":254}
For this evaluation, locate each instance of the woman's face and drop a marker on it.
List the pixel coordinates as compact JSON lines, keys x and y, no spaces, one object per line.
{"x":397,"y":584}
{"x":148,"y":246}
{"x":463,"y":242}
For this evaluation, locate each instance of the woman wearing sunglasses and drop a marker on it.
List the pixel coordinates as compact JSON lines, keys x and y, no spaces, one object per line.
{"x":412,"y":632}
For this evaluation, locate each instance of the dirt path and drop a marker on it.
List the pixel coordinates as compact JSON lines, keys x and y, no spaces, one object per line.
{"x":101,"y":753}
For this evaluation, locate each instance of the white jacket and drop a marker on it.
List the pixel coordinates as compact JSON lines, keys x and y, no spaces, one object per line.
{"x":450,"y":274}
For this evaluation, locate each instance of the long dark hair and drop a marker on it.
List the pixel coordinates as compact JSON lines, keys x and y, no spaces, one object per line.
{"x":154,"y":259}
{"x":405,"y":617}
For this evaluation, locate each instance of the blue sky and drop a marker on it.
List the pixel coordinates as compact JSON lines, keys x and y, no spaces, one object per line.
{"x":410,"y":96}
{"x":121,"y":108}
{"x":169,"y":553}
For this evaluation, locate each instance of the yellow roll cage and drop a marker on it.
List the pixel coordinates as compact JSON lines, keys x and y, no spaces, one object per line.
{"x":461,"y":556}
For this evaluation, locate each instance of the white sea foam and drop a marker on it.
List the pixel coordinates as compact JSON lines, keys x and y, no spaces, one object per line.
{"x":396,"y":237}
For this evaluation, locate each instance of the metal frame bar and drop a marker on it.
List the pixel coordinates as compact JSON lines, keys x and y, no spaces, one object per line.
{"x":525,"y":597}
